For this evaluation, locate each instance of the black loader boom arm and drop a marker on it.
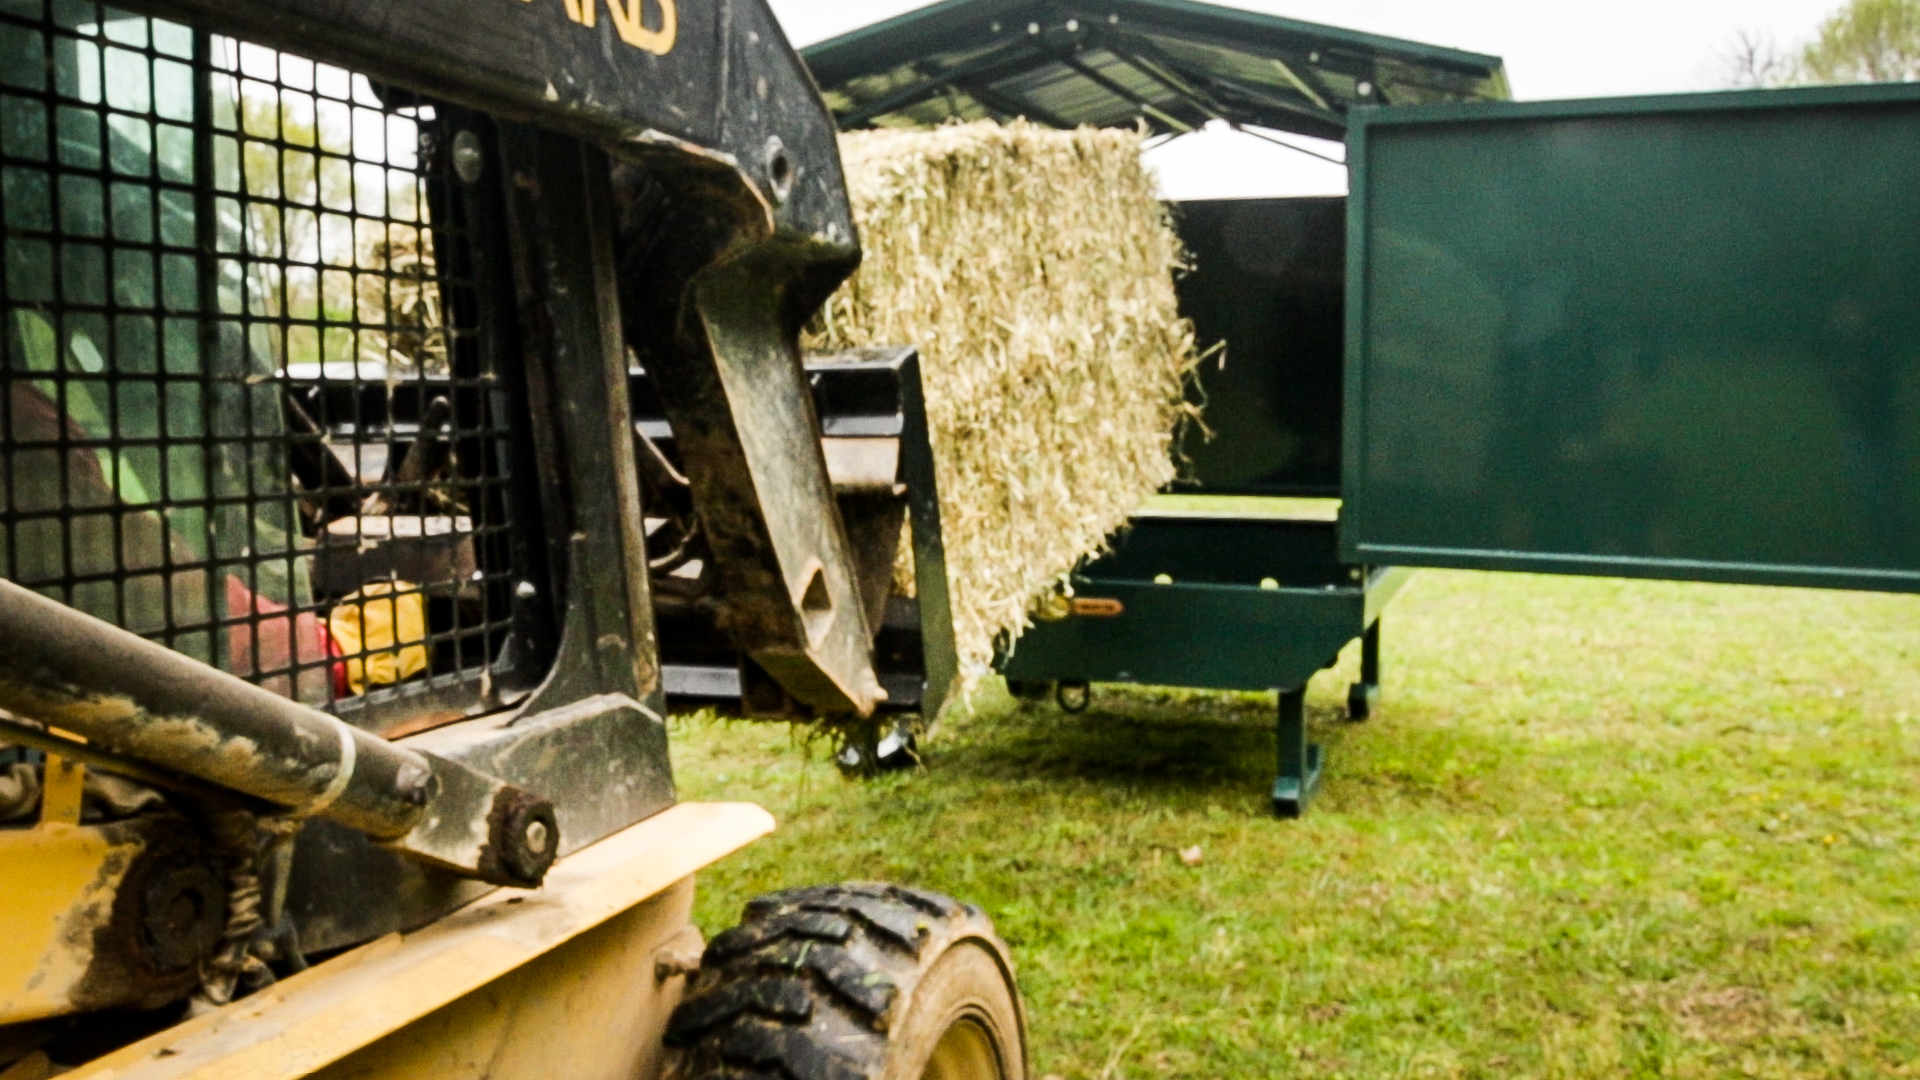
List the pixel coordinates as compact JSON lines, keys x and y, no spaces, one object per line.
{"x":733,"y":227}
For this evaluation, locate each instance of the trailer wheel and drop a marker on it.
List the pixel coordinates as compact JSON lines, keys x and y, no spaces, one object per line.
{"x":854,"y":982}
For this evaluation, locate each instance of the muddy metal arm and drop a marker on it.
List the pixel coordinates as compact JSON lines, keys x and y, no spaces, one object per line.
{"x":734,"y":228}
{"x":130,"y":696}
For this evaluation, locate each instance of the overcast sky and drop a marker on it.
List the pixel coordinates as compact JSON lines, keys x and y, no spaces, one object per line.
{"x":1553,"y":49}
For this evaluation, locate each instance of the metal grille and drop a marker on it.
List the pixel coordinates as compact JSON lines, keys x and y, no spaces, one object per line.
{"x":246,"y":412}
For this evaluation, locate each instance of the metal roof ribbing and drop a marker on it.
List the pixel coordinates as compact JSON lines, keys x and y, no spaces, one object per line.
{"x":1175,"y":64}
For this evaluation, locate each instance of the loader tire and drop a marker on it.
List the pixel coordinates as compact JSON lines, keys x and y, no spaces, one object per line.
{"x":854,"y":982}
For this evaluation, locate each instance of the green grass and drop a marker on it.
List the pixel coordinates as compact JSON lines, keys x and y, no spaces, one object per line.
{"x":1598,"y":828}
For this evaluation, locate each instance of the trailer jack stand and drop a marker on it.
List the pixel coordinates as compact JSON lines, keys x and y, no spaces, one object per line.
{"x":1364,"y":695}
{"x":1299,"y":775}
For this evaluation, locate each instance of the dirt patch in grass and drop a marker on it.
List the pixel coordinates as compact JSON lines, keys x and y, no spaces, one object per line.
{"x":1731,"y":1015}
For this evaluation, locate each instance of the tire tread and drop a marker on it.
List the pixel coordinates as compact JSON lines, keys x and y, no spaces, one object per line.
{"x":802,"y":989}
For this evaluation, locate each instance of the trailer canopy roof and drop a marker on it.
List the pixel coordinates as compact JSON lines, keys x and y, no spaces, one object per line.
{"x":1175,"y":64}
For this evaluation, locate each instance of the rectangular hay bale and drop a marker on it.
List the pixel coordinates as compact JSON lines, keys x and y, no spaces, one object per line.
{"x":1034,"y":269}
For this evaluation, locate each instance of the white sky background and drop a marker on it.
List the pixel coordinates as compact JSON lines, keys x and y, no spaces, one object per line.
{"x":1553,"y":49}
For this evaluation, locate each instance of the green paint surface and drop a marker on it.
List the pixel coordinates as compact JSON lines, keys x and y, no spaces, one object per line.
{"x":1662,"y":337}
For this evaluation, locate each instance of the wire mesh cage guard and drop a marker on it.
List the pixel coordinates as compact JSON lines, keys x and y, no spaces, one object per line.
{"x":248,"y":413}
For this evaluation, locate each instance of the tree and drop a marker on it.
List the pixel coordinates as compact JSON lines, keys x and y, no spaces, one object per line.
{"x":1754,"y":61}
{"x":1865,"y":41}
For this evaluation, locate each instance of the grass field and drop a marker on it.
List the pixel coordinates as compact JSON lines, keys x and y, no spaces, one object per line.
{"x":1598,"y":828}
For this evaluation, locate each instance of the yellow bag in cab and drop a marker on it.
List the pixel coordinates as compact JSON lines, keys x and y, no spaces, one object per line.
{"x":368,"y":626}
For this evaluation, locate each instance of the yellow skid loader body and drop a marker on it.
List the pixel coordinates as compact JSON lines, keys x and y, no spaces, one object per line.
{"x":576,"y":978}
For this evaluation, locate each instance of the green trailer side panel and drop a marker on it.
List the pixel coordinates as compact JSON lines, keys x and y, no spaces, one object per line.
{"x":1248,"y":603}
{"x":1220,"y":637}
{"x":1664,"y":337}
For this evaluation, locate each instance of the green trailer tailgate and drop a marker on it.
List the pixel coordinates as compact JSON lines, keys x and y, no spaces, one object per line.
{"x":1662,"y":337}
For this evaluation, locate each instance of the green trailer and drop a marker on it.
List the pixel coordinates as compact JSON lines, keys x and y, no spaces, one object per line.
{"x":1237,"y":582}
{"x":1669,"y":337}
{"x":1665,"y":337}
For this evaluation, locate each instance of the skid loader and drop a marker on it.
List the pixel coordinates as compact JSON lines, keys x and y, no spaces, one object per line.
{"x":398,"y":403}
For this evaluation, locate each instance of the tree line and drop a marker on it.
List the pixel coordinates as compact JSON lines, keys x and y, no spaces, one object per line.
{"x":1864,"y":41}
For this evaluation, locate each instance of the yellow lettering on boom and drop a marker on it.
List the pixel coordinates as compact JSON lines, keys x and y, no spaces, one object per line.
{"x":627,"y":20}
